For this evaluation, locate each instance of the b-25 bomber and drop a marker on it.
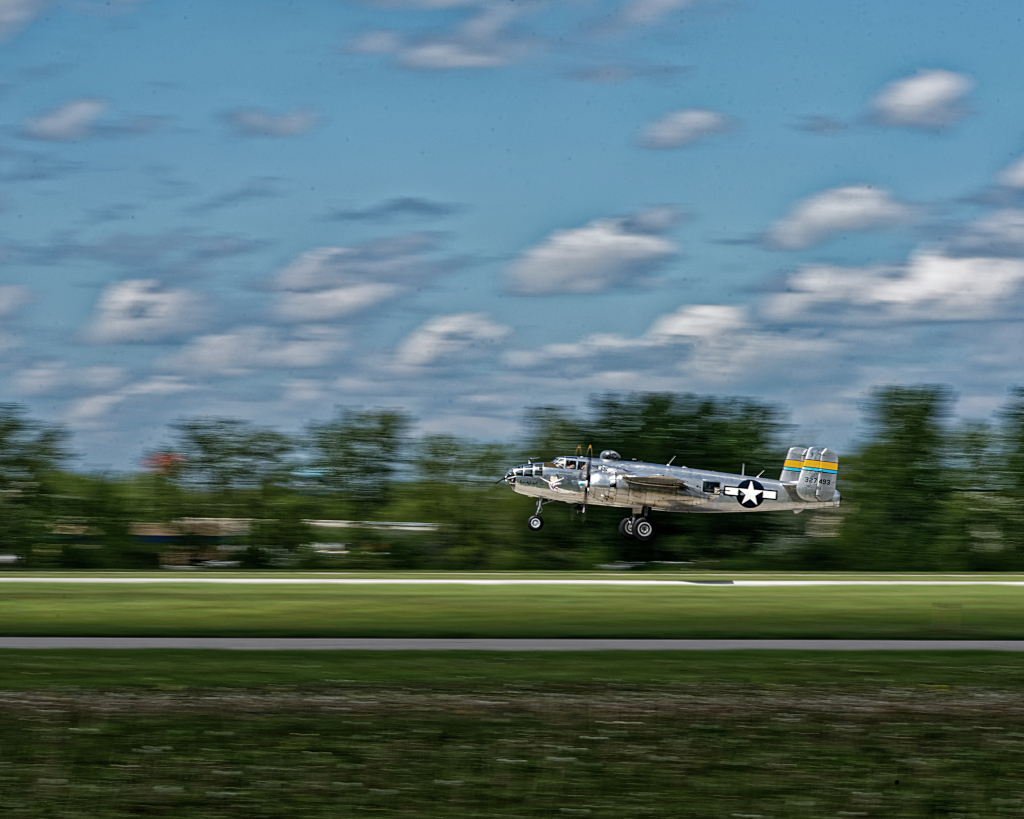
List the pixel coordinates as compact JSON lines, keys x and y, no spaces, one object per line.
{"x":808,"y":481}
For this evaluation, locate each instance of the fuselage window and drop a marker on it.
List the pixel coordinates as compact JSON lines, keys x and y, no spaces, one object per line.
{"x":712,"y":487}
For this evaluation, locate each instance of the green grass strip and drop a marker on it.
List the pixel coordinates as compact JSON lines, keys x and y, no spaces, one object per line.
{"x":684,"y":611}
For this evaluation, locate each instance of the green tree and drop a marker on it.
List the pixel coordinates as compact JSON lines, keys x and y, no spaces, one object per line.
{"x":358,"y":453}
{"x":221,"y":468}
{"x":222,"y":455}
{"x":94,"y":523}
{"x":456,"y":486}
{"x":1004,"y":470}
{"x":900,"y":486}
{"x":31,"y":453}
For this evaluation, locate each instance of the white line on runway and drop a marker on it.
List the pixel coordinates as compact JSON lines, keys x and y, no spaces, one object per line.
{"x":462,"y":581}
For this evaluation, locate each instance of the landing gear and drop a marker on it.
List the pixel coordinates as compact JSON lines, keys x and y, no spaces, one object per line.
{"x":637,"y":526}
{"x":643,"y":529}
{"x":535,"y":521}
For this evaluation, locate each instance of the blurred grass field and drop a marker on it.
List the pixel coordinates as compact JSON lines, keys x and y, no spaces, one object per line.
{"x":600,"y":734}
{"x":665,"y":611}
{"x":78,"y":670}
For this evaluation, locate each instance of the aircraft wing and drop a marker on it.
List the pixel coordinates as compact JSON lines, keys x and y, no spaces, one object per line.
{"x":657,"y":482}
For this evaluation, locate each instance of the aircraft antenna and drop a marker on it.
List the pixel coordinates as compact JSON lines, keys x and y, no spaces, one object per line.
{"x":670,"y":460}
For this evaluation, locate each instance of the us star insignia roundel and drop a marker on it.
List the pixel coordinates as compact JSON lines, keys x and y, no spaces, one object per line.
{"x":750,"y":493}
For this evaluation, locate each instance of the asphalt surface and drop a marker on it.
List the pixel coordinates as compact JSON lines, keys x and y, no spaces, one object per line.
{"x":481,"y":581}
{"x":445,"y":644}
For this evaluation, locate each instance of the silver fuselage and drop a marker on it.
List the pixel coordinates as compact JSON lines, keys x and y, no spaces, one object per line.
{"x":638,"y":485}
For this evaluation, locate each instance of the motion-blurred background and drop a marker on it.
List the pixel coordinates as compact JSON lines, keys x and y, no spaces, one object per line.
{"x":922,"y":492}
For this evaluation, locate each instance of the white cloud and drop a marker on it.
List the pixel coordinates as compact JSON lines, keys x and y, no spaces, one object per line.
{"x":57,"y":377}
{"x":690,"y":324}
{"x":704,"y":344}
{"x":256,"y":122}
{"x":443,"y":338}
{"x":593,"y":258}
{"x":645,"y":12}
{"x":376,"y":42}
{"x":597,"y":344}
{"x":928,"y":99}
{"x":930,"y":287}
{"x":89,"y":412}
{"x":997,"y":234}
{"x":159,"y":385}
{"x":699,"y":321}
{"x":137,"y":310}
{"x":397,"y":259}
{"x":302,"y":390}
{"x":8,"y":341}
{"x":86,"y":413}
{"x":480,"y":42}
{"x":329,"y":304}
{"x":245,"y":350}
{"x":71,"y":121}
{"x":330,"y":282}
{"x":1013,"y":176}
{"x":452,"y":54}
{"x":12,"y":298}
{"x":16,"y":13}
{"x":428,"y":4}
{"x":835,"y":212}
{"x":684,"y":127}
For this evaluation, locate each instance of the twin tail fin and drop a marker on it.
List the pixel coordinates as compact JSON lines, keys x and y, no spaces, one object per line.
{"x":813,"y":471}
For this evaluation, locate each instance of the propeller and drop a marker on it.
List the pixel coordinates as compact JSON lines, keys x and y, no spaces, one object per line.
{"x":586,"y":479}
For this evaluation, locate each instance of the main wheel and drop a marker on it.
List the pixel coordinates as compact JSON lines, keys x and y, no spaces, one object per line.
{"x":536,"y":523}
{"x":626,"y":528}
{"x":643,"y":529}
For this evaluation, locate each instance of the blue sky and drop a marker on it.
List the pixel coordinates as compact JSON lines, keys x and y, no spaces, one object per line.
{"x":469,"y":207}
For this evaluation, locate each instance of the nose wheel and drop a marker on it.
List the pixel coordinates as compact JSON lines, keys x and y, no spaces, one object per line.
{"x":535,"y":521}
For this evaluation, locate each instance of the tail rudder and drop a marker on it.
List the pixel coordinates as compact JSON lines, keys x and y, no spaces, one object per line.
{"x":817,"y":481}
{"x":828,"y":473}
{"x":793,"y":464}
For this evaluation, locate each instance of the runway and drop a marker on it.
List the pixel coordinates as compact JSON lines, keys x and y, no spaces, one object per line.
{"x":484,"y":644}
{"x":487,"y":581}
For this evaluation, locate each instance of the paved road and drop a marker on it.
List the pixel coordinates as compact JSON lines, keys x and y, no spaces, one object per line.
{"x":482,"y":581}
{"x":445,"y":644}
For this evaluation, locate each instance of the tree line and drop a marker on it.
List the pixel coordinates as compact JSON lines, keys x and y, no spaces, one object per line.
{"x":921,"y":491}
